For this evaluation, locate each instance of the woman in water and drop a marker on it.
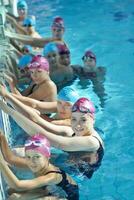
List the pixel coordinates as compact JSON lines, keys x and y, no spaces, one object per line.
{"x":82,"y":142}
{"x":37,"y":155}
{"x":42,"y":88}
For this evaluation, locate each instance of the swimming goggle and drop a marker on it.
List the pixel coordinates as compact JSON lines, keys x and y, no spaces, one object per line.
{"x":27,"y":25}
{"x":25,"y":50}
{"x":34,"y":65}
{"x":88,"y":58}
{"x":66,"y":52}
{"x":57,"y":29}
{"x":81,"y":109}
{"x":36,"y":143}
{"x":21,"y":8}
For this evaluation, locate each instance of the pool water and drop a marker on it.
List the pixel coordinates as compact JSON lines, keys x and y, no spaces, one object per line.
{"x":106,"y":27}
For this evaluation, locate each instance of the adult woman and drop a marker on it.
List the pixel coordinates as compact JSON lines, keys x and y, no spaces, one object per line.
{"x":39,"y":69}
{"x":37,"y":154}
{"x":85,"y":147}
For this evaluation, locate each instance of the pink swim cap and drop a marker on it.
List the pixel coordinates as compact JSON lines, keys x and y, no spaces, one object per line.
{"x":62,"y":49}
{"x":83,"y":105}
{"x":39,"y":143}
{"x":39,"y":62}
{"x":58,"y":22}
{"x":90,"y":54}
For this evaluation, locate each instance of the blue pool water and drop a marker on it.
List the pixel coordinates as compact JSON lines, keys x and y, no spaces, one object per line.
{"x":107,"y":27}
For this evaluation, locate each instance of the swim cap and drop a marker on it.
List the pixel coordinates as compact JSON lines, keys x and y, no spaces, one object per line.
{"x":58,"y":22}
{"x":27,"y":48}
{"x":68,"y":94}
{"x":63,"y":49}
{"x":29,"y":22}
{"x":39,"y":143}
{"x":22,"y":4}
{"x":83,"y":105}
{"x":24,"y":61}
{"x":90,"y":54}
{"x":49,"y":48}
{"x":39,"y":62}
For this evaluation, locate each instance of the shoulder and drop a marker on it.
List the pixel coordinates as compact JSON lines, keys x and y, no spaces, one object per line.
{"x":51,"y":85}
{"x":97,"y":138}
{"x":102,"y":70}
{"x":77,"y":68}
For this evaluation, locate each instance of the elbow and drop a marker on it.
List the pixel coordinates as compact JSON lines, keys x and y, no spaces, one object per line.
{"x":95,"y":146}
{"x":19,"y":187}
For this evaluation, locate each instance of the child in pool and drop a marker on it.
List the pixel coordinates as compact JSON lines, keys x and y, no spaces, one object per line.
{"x":39,"y":69}
{"x":62,"y":107}
{"x":94,"y":73}
{"x":29,"y":25}
{"x":24,"y":61}
{"x":37,"y":155}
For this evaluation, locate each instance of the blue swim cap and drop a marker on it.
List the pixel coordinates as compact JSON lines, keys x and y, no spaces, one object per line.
{"x":69,"y":94}
{"x":24,"y":61}
{"x":29,"y":22}
{"x":50,"y":47}
{"x":22,"y":4}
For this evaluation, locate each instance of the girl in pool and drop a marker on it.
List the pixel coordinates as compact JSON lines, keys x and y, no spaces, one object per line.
{"x":37,"y":155}
{"x":39,"y":69}
{"x":82,"y":142}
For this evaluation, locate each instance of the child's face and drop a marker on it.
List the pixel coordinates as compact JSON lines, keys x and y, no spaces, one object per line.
{"x":36,"y":161}
{"x":57,"y":32}
{"x":64,"y":109}
{"x":38,"y":75}
{"x":53,"y":58}
{"x":22,"y":12}
{"x":81,"y":123}
{"x":89,"y":62}
{"x":65,"y":59}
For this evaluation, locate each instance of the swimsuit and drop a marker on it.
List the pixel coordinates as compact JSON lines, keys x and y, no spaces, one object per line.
{"x":84,"y":166}
{"x":71,"y":190}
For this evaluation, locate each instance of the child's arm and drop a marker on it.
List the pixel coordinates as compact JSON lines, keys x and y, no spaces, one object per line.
{"x":9,"y":156}
{"x":25,"y":185}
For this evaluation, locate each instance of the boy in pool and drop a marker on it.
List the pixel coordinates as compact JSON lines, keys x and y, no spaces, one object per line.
{"x":24,"y":61}
{"x":94,"y":73}
{"x":62,"y":108}
{"x":37,"y":155}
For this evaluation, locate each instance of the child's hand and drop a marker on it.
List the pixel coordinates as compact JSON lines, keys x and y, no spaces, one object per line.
{"x":3,"y":91}
{"x":1,"y":158}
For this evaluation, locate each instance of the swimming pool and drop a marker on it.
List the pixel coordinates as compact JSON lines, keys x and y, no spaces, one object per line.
{"x":106,"y":27}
